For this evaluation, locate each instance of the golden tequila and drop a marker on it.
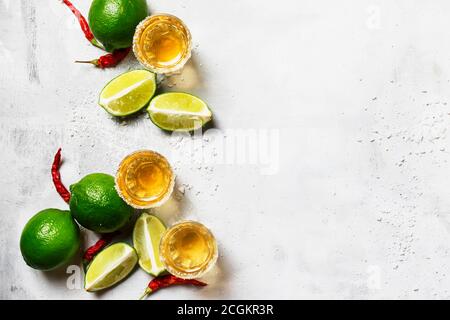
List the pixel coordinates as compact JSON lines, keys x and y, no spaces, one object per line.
{"x":145,"y":179}
{"x":162,"y":43}
{"x":188,"y":250}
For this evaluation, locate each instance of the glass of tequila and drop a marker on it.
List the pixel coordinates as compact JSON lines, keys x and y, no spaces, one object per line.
{"x":162,"y":43}
{"x":145,"y":179}
{"x":188,"y":250}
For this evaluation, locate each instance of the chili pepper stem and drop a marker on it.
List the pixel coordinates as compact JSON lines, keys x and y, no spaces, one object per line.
{"x":97,"y":44}
{"x":94,"y":62}
{"x":146,"y":293}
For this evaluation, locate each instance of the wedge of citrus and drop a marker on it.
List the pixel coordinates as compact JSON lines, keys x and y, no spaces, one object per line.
{"x":110,"y":266}
{"x":128,"y":93}
{"x":178,"y":111}
{"x":147,"y":234}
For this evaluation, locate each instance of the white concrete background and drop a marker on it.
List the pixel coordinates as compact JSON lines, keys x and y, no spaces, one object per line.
{"x":357,"y":91}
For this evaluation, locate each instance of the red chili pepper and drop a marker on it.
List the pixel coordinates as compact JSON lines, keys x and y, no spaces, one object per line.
{"x":56,"y":176}
{"x":109,"y":60}
{"x":93,"y":250}
{"x":83,"y":24}
{"x":167,"y":281}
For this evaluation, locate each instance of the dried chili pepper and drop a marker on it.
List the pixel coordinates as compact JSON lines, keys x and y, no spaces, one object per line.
{"x":109,"y":60}
{"x":83,"y":24}
{"x":93,"y":250}
{"x":167,"y":281}
{"x":56,"y":176}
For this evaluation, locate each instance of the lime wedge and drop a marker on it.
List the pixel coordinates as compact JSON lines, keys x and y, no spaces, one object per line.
{"x":178,"y":111}
{"x":128,"y":93}
{"x":110,"y":266}
{"x":147,"y":234}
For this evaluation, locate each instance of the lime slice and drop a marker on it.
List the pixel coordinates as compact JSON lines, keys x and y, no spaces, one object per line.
{"x":128,"y":93}
{"x":110,"y":266}
{"x":178,"y":111}
{"x":147,"y":234}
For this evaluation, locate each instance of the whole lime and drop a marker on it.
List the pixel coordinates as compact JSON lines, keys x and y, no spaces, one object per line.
{"x":49,"y":239}
{"x":113,"y":22}
{"x":95,"y":204}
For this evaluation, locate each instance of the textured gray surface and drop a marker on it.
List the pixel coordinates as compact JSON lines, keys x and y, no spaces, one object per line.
{"x":353,"y":199}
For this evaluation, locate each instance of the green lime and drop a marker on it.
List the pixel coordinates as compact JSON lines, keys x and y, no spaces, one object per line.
{"x":110,"y":266}
{"x":96,"y":205}
{"x":147,"y":234}
{"x":113,"y":22}
{"x":49,"y":239}
{"x":178,"y":111}
{"x":128,"y":93}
